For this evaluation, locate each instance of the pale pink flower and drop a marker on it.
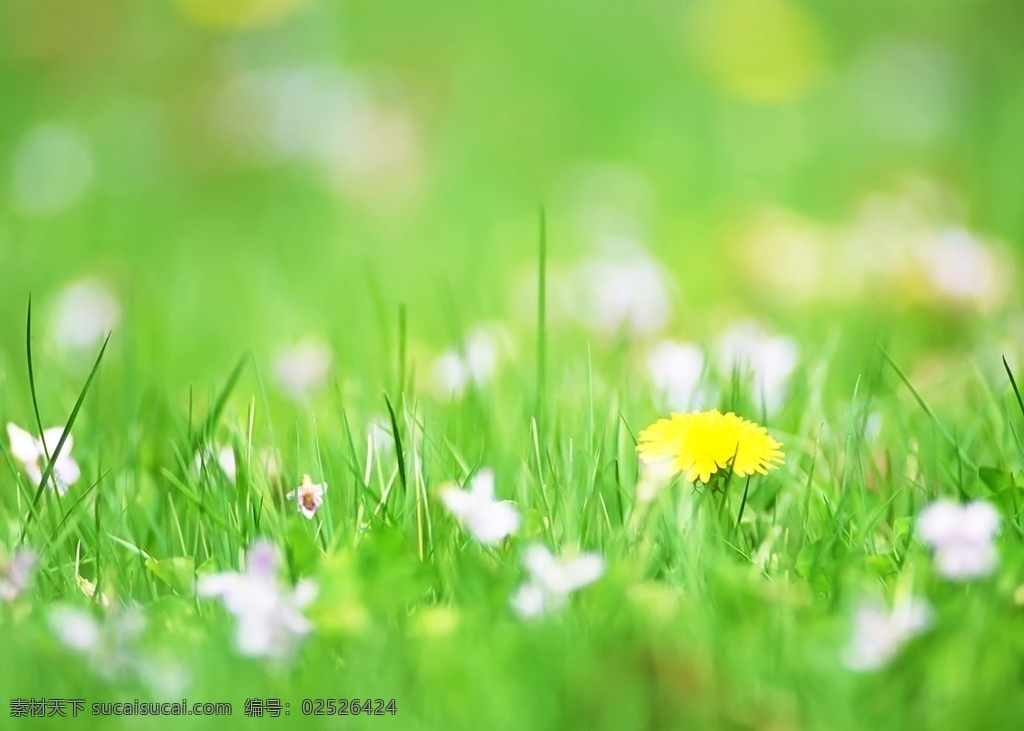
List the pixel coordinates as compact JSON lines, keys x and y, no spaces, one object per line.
{"x":961,"y":537}
{"x":488,"y":520}
{"x":269,"y":615}
{"x":309,"y":496}
{"x":15,"y":574}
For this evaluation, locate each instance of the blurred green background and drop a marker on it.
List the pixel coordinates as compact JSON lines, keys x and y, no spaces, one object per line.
{"x":245,"y":172}
{"x":218,"y":178}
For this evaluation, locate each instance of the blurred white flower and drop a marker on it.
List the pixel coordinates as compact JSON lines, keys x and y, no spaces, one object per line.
{"x":873,"y":426}
{"x":488,"y":520}
{"x":769,"y":360}
{"x":625,"y":290}
{"x":963,"y":268}
{"x":961,"y":537}
{"x":16,"y":573}
{"x":108,"y":645}
{"x":675,"y":369}
{"x":83,"y":314}
{"x":879,"y":634}
{"x":309,"y":496}
{"x":450,"y":374}
{"x":74,"y":628}
{"x":303,"y":368}
{"x":32,"y":454}
{"x":222,"y":457}
{"x":52,"y":168}
{"x":269,"y":615}
{"x":475,"y":361}
{"x":553,"y":579}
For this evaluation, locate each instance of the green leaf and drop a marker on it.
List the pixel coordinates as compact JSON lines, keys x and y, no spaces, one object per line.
{"x":996,"y":479}
{"x":901,"y":527}
{"x":177,"y":572}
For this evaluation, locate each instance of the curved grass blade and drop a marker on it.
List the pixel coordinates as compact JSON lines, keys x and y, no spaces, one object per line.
{"x":399,"y":454}
{"x":213,"y":417}
{"x":51,"y":459}
{"x":927,"y":409}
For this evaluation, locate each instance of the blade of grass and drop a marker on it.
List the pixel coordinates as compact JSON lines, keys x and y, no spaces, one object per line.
{"x":399,"y":454}
{"x":542,"y":256}
{"x":218,"y":407}
{"x":931,"y":414}
{"x":52,"y":459}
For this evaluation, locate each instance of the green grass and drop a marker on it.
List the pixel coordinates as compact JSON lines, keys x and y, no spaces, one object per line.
{"x":716,"y":611}
{"x":703,"y":619}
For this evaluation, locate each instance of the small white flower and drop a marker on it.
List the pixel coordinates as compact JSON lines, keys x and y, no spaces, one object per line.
{"x":624,"y":290}
{"x":964,"y":268}
{"x":475,"y":361}
{"x":303,"y":368}
{"x":15,"y":574}
{"x":768,"y":359}
{"x":879,"y":634}
{"x":484,"y":347}
{"x":488,"y":520}
{"x":74,"y":628}
{"x":309,"y":496}
{"x":553,"y":579}
{"x":31,"y":453}
{"x":224,"y":458}
{"x":269,"y":615}
{"x":450,"y":374}
{"x":961,"y":536}
{"x":675,"y":370}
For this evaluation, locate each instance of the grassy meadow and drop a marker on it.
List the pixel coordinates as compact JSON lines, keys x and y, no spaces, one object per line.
{"x":329,"y":332}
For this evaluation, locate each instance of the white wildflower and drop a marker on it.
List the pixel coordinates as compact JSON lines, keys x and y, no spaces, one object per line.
{"x":302,"y":369}
{"x":963,"y":268}
{"x":553,"y":579}
{"x":269,"y":615}
{"x":15,"y":574}
{"x":623,"y":291}
{"x":769,"y":360}
{"x":675,"y":370}
{"x":488,"y":520}
{"x":83,"y":315}
{"x":961,"y":536}
{"x":879,"y":634}
{"x":474,"y":361}
{"x":221,"y":457}
{"x":32,"y":453}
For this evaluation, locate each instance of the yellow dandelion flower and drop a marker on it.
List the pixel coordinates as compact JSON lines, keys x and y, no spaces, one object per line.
{"x":702,"y":442}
